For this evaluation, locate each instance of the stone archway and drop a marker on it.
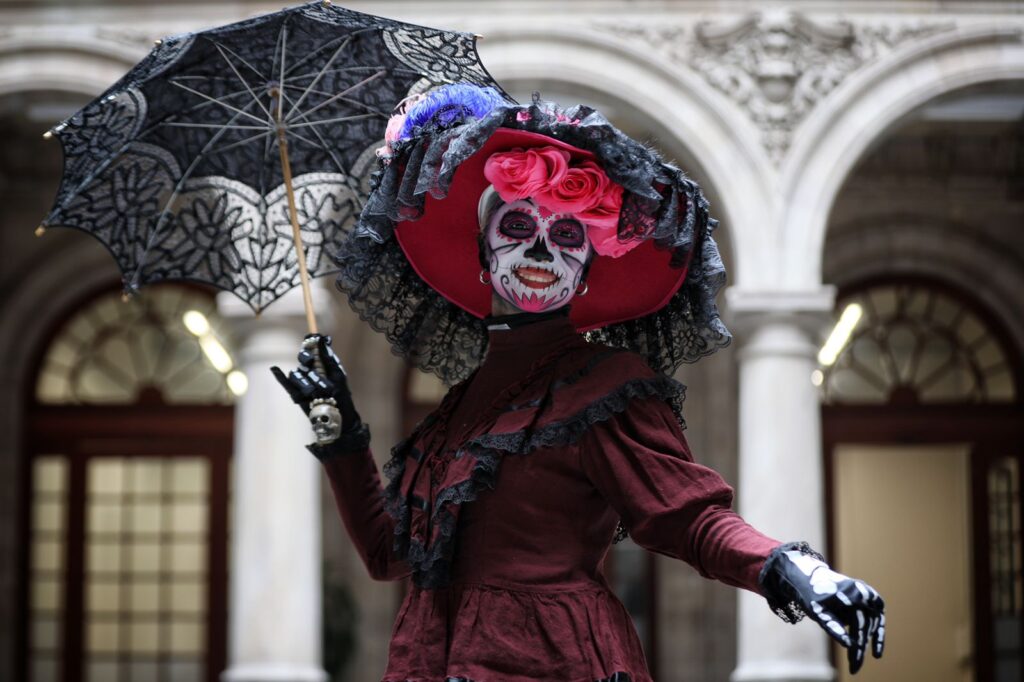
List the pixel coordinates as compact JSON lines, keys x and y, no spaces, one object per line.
{"x":83,"y":64}
{"x":25,"y":322}
{"x":838,"y":134}
{"x":69,"y":65}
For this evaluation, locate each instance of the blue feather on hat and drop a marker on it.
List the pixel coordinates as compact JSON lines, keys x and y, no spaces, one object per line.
{"x":449,"y":105}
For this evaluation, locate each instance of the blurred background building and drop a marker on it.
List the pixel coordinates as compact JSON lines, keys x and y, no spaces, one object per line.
{"x":161,"y":521}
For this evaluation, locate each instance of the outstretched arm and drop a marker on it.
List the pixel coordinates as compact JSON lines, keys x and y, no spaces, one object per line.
{"x":320,"y":387}
{"x":640,"y":462}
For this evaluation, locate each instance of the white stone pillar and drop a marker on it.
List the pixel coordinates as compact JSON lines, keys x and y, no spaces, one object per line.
{"x":274,"y":624}
{"x":780,"y":484}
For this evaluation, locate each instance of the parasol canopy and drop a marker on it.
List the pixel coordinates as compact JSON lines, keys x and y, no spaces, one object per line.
{"x":222,"y":149}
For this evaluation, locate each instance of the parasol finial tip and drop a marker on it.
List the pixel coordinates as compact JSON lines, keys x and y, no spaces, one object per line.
{"x":478,"y":36}
{"x":158,"y":42}
{"x":326,"y":3}
{"x":48,"y":134}
{"x":40,"y":231}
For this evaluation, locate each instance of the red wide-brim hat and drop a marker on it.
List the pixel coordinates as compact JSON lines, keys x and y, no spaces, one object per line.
{"x":442,"y":247}
{"x":411,"y":266}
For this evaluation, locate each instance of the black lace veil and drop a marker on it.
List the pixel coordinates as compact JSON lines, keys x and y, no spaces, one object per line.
{"x":660,"y":203}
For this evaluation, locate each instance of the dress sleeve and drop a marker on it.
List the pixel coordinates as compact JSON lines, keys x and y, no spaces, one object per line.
{"x":359,"y":496}
{"x":639,"y":460}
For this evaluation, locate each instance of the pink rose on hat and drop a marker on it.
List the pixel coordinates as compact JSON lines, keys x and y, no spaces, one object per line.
{"x":520,"y":174}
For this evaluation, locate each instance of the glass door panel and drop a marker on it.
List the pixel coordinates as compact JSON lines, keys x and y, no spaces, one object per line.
{"x":146,"y":544}
{"x":47,"y":566}
{"x":1006,"y":568}
{"x":903,"y":524}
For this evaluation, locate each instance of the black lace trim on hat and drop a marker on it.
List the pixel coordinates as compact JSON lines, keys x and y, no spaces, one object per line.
{"x":787,"y":609}
{"x":431,"y":563}
{"x":439,"y":337}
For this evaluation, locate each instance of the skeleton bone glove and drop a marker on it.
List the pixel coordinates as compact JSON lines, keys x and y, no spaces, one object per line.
{"x":849,"y":610}
{"x":320,"y":387}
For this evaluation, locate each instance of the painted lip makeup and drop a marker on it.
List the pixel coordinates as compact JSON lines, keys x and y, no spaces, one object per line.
{"x":535,"y":277}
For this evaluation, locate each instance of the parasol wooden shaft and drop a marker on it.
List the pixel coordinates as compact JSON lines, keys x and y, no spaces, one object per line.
{"x":286,"y":172}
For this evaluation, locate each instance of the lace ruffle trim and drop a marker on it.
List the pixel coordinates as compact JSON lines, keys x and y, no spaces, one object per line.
{"x":788,"y":610}
{"x":431,"y":562}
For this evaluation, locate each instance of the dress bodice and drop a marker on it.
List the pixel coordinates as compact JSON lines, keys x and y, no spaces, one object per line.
{"x":503,"y":503}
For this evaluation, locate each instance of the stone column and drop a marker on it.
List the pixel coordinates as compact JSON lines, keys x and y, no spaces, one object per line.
{"x":274,"y":626}
{"x":780,"y":484}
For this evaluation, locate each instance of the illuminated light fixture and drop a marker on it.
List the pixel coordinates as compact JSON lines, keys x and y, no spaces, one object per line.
{"x":840,"y":335}
{"x":238,"y":383}
{"x":817,"y":377}
{"x":196,"y":323}
{"x":216,"y":353}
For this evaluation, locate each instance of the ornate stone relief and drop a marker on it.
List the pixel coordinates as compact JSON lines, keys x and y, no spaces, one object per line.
{"x":776,"y":64}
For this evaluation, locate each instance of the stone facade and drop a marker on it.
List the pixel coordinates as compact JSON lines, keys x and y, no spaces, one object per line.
{"x":778,"y":112}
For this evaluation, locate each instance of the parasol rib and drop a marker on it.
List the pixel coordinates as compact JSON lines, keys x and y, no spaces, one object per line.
{"x":323,"y":143}
{"x":214,"y":100}
{"x":318,"y":76}
{"x":350,"y":102}
{"x":331,"y":120}
{"x":244,"y":82}
{"x":219,"y":150}
{"x":214,"y":126}
{"x":344,"y":92}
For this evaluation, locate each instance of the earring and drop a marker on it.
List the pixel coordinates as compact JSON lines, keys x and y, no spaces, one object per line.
{"x":485,"y":276}
{"x":586,"y":288}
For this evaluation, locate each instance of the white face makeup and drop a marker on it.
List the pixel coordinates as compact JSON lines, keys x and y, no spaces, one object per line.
{"x":536,"y":256}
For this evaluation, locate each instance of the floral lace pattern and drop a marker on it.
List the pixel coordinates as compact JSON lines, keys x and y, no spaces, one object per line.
{"x":176,"y":167}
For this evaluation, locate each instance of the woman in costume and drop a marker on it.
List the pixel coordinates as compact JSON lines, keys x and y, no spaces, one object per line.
{"x":557,"y":272}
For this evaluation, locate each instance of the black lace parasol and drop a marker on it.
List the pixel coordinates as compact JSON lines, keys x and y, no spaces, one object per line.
{"x":183,"y":168}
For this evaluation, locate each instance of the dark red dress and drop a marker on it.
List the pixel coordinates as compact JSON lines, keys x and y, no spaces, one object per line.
{"x":503,"y":504}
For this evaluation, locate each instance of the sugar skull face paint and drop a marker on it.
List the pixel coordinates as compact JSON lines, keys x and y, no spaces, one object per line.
{"x":537,"y":257}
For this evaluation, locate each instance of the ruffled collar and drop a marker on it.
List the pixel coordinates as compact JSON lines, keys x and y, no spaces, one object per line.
{"x":569,"y":386}
{"x":522,"y":338}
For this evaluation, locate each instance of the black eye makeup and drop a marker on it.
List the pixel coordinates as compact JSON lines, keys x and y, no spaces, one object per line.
{"x":568,"y":233}
{"x":517,"y":225}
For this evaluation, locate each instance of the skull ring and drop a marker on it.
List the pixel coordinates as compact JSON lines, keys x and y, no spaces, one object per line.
{"x":325,"y":420}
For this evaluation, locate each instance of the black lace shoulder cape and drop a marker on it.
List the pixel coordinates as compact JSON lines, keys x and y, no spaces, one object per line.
{"x":567,"y":392}
{"x":439,"y":337}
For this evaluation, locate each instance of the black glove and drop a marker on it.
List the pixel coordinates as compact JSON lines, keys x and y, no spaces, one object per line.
{"x":320,"y":376}
{"x":796,"y":579}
